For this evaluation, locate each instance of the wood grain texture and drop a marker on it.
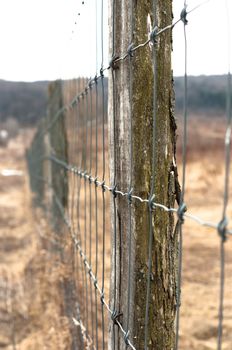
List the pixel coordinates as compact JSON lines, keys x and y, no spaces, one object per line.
{"x":163,"y":277}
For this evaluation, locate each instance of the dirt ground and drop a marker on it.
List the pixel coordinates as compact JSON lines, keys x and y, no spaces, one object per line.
{"x":30,"y":291}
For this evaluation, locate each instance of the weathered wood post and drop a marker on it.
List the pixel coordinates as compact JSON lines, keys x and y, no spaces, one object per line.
{"x":131,"y":114}
{"x":35,"y":167}
{"x":58,"y":148}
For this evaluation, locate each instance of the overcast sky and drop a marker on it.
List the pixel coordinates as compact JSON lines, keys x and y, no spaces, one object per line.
{"x":39,"y":38}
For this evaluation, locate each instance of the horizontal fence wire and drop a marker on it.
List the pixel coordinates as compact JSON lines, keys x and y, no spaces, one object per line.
{"x":83,"y":174}
{"x":68,"y":158}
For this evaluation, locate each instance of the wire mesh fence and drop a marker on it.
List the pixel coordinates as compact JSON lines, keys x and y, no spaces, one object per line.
{"x":76,"y":177}
{"x":70,"y":182}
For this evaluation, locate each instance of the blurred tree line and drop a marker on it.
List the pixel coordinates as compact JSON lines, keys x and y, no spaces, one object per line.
{"x":27,"y":102}
{"x":206,"y":94}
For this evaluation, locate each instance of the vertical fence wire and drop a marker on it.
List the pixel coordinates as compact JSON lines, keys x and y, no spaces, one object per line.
{"x":224,"y":222}
{"x":90,"y":208}
{"x":85,"y":208}
{"x":96,"y":175}
{"x":103,"y":179}
{"x":114,"y":183}
{"x":129,"y":282}
{"x":78,"y":208}
{"x":182,"y":206}
{"x":73,"y":181}
{"x":79,"y":275}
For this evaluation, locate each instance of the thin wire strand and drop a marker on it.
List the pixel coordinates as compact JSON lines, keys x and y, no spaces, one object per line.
{"x":80,"y":277}
{"x":221,"y":294}
{"x":184,"y":153}
{"x":89,"y":117}
{"x":85,"y":213}
{"x":81,"y":152}
{"x":198,"y":6}
{"x":72,"y":129}
{"x":96,"y":34}
{"x":114,"y":174}
{"x":103,"y":180}
{"x":226,"y":189}
{"x":74,"y":180}
{"x":129,"y":281}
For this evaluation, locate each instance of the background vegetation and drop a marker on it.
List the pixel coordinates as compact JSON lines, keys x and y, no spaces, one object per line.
{"x":27,"y":102}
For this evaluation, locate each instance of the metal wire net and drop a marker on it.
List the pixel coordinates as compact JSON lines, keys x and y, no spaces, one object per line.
{"x":69,"y":172}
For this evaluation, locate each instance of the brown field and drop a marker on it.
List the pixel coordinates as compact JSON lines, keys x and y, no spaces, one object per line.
{"x":31,"y":299}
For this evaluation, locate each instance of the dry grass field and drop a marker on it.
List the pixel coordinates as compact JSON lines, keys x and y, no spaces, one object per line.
{"x":30,"y":292}
{"x":31,"y":296}
{"x":201,"y":254}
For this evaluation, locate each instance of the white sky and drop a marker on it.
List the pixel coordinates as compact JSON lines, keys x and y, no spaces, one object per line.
{"x":39,"y":39}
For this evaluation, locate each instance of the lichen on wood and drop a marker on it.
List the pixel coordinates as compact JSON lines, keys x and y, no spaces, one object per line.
{"x":162,"y":303}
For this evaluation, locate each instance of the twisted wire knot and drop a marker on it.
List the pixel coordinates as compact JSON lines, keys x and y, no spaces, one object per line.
{"x":153,"y":35}
{"x":129,"y":196}
{"x":130,"y":50}
{"x":180,"y":212}
{"x":126,"y":338}
{"x":115,"y":315}
{"x":112,"y":63}
{"x":103,"y":186}
{"x":96,"y":79}
{"x":151,"y":202}
{"x":95,"y":283}
{"x":102,"y":72}
{"x":222,"y":226}
{"x":114,"y":189}
{"x":95,"y":181}
{"x":102,"y":298}
{"x":183,"y":15}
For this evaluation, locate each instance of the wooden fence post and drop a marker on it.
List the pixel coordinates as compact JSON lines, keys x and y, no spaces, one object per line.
{"x":58,"y":148}
{"x":131,"y":95}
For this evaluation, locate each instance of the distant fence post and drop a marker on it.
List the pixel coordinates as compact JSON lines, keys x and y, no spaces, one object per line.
{"x":35,"y":167}
{"x":57,"y":142}
{"x":147,"y":311}
{"x":57,"y":147}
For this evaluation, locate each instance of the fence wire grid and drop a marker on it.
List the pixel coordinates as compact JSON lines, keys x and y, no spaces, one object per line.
{"x":69,"y":172}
